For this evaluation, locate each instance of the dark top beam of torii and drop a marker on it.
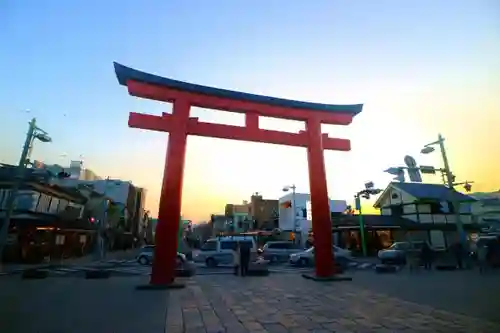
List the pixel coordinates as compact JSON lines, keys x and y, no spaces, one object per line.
{"x":159,"y":88}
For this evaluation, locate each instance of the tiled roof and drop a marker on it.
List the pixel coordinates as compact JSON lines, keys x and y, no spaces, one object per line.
{"x":39,"y":177}
{"x":432,"y":191}
{"x":371,"y":220}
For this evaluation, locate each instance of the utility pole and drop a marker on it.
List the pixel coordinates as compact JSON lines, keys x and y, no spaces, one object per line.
{"x":19,"y":174}
{"x":450,"y":180}
{"x":366,"y":193}
{"x":361,"y":224}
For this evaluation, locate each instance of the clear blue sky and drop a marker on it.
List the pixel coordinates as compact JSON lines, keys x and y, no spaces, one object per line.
{"x":403,"y":59}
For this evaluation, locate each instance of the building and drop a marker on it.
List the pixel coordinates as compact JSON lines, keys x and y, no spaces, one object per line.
{"x":430,"y":207}
{"x":220,"y":224}
{"x":301,"y":223}
{"x":75,"y":170}
{"x":486,"y":210}
{"x":264,"y":212}
{"x":140,"y":213}
{"x":126,"y":216}
{"x":240,"y":216}
{"x":380,"y":231}
{"x":48,"y":220}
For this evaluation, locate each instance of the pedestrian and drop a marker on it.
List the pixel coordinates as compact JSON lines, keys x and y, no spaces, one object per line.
{"x":413,"y":258}
{"x":236,"y":258}
{"x":458,"y":252}
{"x":427,"y":254}
{"x":244,"y":259}
{"x":482,"y":257}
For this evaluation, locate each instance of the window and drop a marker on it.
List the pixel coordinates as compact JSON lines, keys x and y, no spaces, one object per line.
{"x":436,"y":208}
{"x":228,"y":245}
{"x":276,"y":246}
{"x":399,"y":246}
{"x":210,"y":245}
{"x":246,"y":244}
{"x":396,"y":210}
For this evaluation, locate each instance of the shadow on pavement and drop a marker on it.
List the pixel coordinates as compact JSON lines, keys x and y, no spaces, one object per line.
{"x":77,"y":305}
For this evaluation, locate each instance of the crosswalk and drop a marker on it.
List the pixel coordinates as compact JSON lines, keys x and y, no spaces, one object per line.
{"x":132,"y":268}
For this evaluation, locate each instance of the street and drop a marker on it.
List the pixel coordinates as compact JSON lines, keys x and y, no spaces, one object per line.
{"x":127,"y":267}
{"x":465,"y":292}
{"x":424,"y":302}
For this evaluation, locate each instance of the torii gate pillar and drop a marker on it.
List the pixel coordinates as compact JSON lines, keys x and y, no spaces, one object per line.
{"x":180,"y":125}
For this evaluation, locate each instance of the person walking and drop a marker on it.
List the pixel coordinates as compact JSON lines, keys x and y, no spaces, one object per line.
{"x":458,"y":252}
{"x":413,"y":258}
{"x":427,"y":255}
{"x":244,"y":259}
{"x":236,"y":258}
{"x":482,"y":257}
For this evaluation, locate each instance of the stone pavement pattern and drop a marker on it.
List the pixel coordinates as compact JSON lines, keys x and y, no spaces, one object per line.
{"x":292,"y":304}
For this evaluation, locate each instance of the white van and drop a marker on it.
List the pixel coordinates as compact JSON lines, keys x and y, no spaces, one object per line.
{"x":219,"y":250}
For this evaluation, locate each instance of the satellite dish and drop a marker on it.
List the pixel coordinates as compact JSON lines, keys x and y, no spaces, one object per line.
{"x":413,"y":170}
{"x":400,"y":176}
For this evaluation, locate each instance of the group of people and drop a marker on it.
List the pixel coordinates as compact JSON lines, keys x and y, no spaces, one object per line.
{"x":241,"y":259}
{"x":488,"y":255}
{"x":425,"y":256}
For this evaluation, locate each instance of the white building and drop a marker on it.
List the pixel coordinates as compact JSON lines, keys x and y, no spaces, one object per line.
{"x":430,"y":207}
{"x":302,"y":222}
{"x":486,"y":210}
{"x":76,"y":170}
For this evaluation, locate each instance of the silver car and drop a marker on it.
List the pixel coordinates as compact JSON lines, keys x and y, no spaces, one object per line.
{"x":145,"y":257}
{"x":279,"y":251}
{"x":396,"y":253}
{"x":306,"y":258}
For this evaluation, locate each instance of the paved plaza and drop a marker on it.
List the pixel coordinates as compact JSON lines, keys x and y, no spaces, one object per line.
{"x":225,"y":303}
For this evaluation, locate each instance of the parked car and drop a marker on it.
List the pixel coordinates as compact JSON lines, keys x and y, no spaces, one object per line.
{"x":396,"y":253}
{"x":219,"y":250}
{"x":279,"y":251}
{"x":306,"y":258}
{"x":183,"y":265}
{"x":145,"y":256}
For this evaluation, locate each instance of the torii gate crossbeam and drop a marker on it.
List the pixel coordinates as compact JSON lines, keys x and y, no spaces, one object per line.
{"x":179,"y":124}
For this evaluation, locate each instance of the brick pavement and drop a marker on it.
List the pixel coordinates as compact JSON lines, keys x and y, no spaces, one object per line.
{"x":290,"y":303}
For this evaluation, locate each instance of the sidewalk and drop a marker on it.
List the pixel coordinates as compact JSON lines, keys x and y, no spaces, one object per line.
{"x":218,"y":304}
{"x":232,"y":304}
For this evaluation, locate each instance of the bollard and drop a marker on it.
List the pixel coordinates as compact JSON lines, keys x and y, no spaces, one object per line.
{"x":97,"y":274}
{"x":34,"y":274}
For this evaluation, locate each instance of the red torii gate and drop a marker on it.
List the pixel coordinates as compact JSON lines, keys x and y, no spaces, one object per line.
{"x":179,"y":124}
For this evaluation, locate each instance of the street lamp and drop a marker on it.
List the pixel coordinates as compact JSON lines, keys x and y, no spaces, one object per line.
{"x":292,"y":188}
{"x":368,"y":191}
{"x":101,"y":227}
{"x":427,"y":149}
{"x":34,"y":132}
